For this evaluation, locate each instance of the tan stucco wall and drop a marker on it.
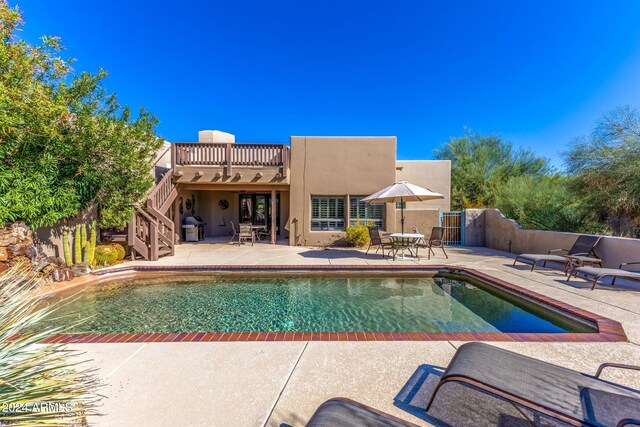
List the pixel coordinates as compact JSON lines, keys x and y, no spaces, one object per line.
{"x":219,"y":220}
{"x":50,"y":238}
{"x":422,"y":219}
{"x":474,"y":227}
{"x":336,"y":166}
{"x":162,"y":162}
{"x":432,"y":174}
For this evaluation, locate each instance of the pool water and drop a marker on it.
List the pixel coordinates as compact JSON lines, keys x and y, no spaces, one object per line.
{"x":301,"y":304}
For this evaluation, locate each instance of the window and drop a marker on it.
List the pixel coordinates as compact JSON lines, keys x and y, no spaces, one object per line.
{"x":365,"y":212}
{"x":401,"y":205}
{"x":327,"y":213}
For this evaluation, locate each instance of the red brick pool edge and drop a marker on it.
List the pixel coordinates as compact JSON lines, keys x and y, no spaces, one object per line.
{"x":608,"y":330}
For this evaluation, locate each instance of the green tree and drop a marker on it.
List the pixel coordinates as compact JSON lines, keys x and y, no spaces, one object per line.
{"x":544,"y":203}
{"x":65,"y":142}
{"x":481,"y":164}
{"x":606,"y":166}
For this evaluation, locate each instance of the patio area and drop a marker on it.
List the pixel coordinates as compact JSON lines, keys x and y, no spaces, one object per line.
{"x":282,"y":383}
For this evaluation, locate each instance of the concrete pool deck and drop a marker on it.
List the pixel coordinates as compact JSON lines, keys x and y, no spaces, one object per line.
{"x":282,"y":383}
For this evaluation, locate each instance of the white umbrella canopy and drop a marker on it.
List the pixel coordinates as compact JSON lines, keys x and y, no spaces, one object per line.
{"x":402,"y":191}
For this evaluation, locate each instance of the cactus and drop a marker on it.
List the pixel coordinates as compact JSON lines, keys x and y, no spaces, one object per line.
{"x":77,"y":245}
{"x":85,"y":254}
{"x":66,"y":249}
{"x":91,"y":245}
{"x":83,"y":234}
{"x":106,"y":254}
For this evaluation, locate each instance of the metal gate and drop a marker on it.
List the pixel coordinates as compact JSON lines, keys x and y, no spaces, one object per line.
{"x":453,"y":224}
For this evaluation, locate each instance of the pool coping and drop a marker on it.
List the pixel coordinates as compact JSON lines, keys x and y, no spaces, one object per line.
{"x":608,"y":330}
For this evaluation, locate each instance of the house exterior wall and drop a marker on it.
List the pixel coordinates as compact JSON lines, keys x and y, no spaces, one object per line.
{"x":319,"y":166}
{"x":336,"y":166}
{"x":162,"y":162}
{"x":434,"y":175}
{"x":422,"y":219}
{"x":219,"y":220}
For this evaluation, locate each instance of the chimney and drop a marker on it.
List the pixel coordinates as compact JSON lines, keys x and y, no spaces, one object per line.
{"x":215,"y":136}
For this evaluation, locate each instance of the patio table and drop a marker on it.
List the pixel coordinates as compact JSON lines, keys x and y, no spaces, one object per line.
{"x":256,"y":229}
{"x":581,"y":261}
{"x":405,"y":240}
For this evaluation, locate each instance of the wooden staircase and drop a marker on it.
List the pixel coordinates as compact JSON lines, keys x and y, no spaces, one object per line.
{"x":151,"y":231}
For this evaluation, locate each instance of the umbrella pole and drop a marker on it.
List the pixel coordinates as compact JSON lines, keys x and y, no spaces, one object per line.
{"x":402,"y":226}
{"x":402,"y":215}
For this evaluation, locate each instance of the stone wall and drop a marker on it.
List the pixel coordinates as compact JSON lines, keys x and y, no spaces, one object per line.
{"x":17,"y":247}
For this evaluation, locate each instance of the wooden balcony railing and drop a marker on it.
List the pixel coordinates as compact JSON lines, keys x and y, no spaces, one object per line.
{"x":230,"y":154}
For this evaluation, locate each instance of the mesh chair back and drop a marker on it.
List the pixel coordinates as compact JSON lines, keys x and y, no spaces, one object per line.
{"x":436,"y":234}
{"x":374,"y":235}
{"x":245,"y":229}
{"x":584,"y":245}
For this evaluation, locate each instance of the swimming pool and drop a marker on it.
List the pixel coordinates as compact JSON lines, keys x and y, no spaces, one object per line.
{"x":443,"y":303}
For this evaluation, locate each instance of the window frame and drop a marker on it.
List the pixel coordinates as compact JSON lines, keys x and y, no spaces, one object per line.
{"x":373,"y":207}
{"x":323,"y":221}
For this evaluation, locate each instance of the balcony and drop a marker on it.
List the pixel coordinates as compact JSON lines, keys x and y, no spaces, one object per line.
{"x":203,"y":162}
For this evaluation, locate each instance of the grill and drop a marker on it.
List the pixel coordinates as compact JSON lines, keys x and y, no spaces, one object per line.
{"x":193,"y":229}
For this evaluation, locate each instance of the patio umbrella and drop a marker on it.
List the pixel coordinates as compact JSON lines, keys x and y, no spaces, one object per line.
{"x":402,"y":191}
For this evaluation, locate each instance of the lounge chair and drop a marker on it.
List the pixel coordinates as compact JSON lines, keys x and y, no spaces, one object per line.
{"x":246,"y":233}
{"x":435,"y":241}
{"x":570,"y":396}
{"x":375,"y":239}
{"x":341,"y":412}
{"x":598,"y":273}
{"x":582,"y":250}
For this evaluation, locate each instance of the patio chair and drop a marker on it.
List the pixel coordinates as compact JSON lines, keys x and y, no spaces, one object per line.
{"x":235,"y":232}
{"x":263,"y":234}
{"x":581,"y":251}
{"x":246,"y":233}
{"x":567,"y":395}
{"x":341,"y":412}
{"x":598,"y":273}
{"x":375,"y":239}
{"x":435,"y":241}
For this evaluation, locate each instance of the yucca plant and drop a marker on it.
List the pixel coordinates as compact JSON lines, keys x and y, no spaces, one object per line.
{"x":40,"y":384}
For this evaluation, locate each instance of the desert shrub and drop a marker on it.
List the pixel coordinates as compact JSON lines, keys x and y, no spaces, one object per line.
{"x":358,"y":235}
{"x":606,"y":169}
{"x":33,"y":373}
{"x":106,"y":254}
{"x":120,"y":250}
{"x":543,"y":203}
{"x":66,"y":142}
{"x":481,"y":164}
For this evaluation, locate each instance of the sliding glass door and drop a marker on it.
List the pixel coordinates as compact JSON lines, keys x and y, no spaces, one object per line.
{"x":256,"y":209}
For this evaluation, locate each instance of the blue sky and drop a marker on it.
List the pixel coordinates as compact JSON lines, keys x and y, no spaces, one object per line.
{"x":538,"y":73}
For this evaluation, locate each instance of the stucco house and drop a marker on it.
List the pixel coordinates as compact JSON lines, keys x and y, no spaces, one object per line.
{"x":305,"y":193}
